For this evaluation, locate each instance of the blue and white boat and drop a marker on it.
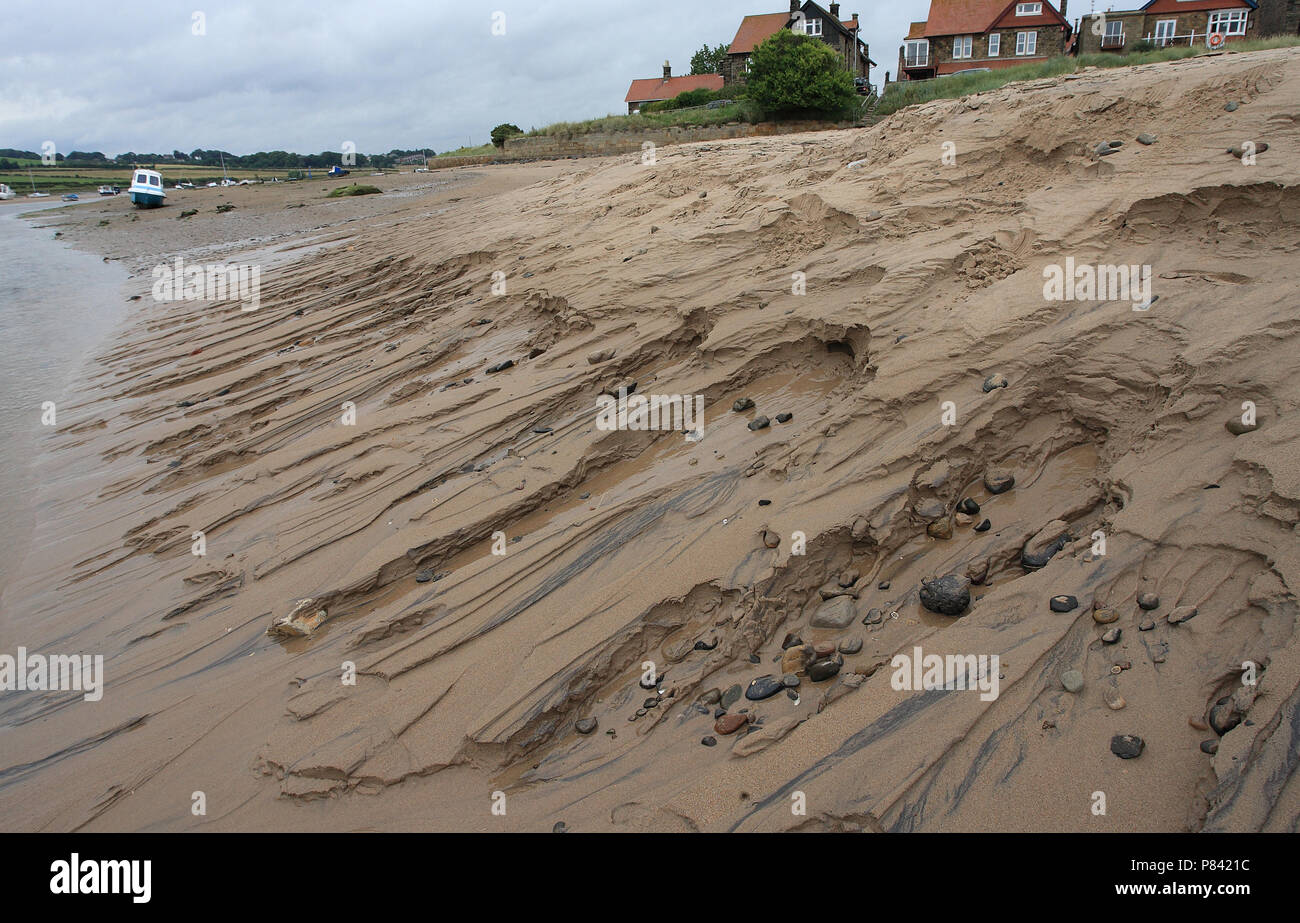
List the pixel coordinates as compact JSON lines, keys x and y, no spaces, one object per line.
{"x":146,"y":189}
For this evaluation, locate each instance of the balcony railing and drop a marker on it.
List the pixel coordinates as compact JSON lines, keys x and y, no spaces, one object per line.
{"x":1111,"y":40}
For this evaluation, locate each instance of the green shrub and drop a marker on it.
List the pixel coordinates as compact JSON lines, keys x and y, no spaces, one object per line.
{"x":792,"y":74}
{"x":1143,"y":45}
{"x":504,"y":131}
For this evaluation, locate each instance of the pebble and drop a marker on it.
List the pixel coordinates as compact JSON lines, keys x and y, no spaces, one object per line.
{"x":742,"y":405}
{"x":730,"y":724}
{"x":993,"y":382}
{"x":759,"y":423}
{"x":706,"y":645}
{"x":560,"y":827}
{"x":764,"y":502}
{"x":784,"y":417}
{"x":1182,"y":614}
{"x":1231,"y":107}
{"x":984,"y":526}
{"x":1104,"y":616}
{"x":969,"y":507}
{"x":1063,"y":604}
{"x":585,"y":725}
{"x":824,"y":669}
{"x":1072,"y":680}
{"x":963,"y":519}
{"x":771,"y":539}
{"x":1198,"y":724}
{"x":997,"y":481}
{"x":1237,"y":428}
{"x":501,"y":366}
{"x":790,"y":681}
{"x":795,"y":659}
{"x":1127,"y":746}
{"x":1145,"y":138}
{"x":850,"y":645}
{"x":1045,"y":545}
{"x":835,"y":613}
{"x":652,"y":702}
{"x":1116,"y":143}
{"x":731,"y":696}
{"x":712,"y":697}
{"x":640,"y":713}
{"x":424,"y":576}
{"x":1148,"y":601}
{"x":1115,"y":701}
{"x":709,"y":741}
{"x":1146,"y":624}
{"x":948,"y":595}
{"x":940,"y":528}
{"x":1224,"y":716}
{"x":763,"y":688}
{"x":849,"y":578}
{"x":1112,"y":636}
{"x":1238,"y":151}
{"x":874,"y":617}
{"x":1210,"y":746}
{"x":823,"y":650}
{"x":1101,"y":150}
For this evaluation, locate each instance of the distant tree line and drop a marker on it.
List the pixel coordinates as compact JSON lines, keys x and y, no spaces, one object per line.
{"x":262,"y":160}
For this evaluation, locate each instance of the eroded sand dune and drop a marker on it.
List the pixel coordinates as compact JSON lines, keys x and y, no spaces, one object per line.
{"x":923,"y":278}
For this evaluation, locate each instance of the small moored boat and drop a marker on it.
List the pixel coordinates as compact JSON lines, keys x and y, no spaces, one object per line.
{"x":147,"y":189}
{"x":72,"y":197}
{"x":6,"y":192}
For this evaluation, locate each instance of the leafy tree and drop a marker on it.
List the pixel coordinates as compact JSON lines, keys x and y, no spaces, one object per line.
{"x":799,"y":74}
{"x":504,"y":131}
{"x":709,"y":60}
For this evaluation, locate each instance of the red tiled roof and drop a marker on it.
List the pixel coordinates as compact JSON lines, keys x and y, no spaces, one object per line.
{"x":916,"y":30}
{"x":1048,"y":17}
{"x":654,"y":89}
{"x":756,"y":29}
{"x":962,"y":17}
{"x":849,"y":24}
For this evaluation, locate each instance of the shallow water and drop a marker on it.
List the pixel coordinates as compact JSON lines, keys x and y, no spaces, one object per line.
{"x":56,"y":304}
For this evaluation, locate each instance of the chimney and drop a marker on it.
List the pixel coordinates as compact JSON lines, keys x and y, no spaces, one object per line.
{"x":668,"y":70}
{"x":835,"y":12}
{"x":1063,"y":3}
{"x":794,"y":6}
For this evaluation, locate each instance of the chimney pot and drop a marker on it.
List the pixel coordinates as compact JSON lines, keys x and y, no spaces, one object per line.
{"x":794,"y":6}
{"x":668,"y":70}
{"x":1063,"y":4}
{"x":835,"y":11}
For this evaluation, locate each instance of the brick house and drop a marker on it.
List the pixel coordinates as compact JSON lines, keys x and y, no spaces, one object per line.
{"x":810,"y":19}
{"x":1278,"y":17}
{"x":960,"y":35}
{"x":1168,"y":22}
{"x":652,"y":90}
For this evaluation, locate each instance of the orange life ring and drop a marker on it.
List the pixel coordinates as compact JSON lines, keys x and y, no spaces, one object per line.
{"x":1215,"y":40}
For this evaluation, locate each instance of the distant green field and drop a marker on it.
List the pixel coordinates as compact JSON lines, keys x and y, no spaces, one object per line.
{"x":476,"y":151}
{"x":78,"y":179}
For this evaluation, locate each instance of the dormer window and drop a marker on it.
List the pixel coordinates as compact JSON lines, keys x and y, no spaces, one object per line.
{"x":1029,"y":9}
{"x":812,"y":27}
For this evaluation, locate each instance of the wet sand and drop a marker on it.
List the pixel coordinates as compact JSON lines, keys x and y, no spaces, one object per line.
{"x":630,"y":547}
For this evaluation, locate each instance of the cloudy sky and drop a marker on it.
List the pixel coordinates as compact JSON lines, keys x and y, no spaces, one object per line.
{"x":383,"y":74}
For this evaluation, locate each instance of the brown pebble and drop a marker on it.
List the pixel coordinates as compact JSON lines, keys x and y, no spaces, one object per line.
{"x":1198,"y":724}
{"x":730,"y":724}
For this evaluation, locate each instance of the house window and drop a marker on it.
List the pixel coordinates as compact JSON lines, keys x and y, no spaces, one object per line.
{"x":1029,"y":9}
{"x":1026,"y":42}
{"x":812,"y":27}
{"x":1165,"y":30}
{"x":916,"y":53}
{"x":995,"y":44}
{"x":1228,"y":22}
{"x":961,"y":46}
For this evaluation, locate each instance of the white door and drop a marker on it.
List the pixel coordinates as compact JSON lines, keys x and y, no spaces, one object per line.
{"x":1165,"y":31}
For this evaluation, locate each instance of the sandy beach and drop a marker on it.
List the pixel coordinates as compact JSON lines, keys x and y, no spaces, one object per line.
{"x":495,"y":570}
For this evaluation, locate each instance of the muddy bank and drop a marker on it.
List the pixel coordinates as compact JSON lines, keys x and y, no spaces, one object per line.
{"x":347,"y":444}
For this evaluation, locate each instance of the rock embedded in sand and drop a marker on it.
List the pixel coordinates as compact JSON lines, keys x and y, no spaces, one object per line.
{"x":969,"y":507}
{"x":709,"y":741}
{"x":994,"y":382}
{"x":1072,"y":680}
{"x":1242,"y":151}
{"x":1063,"y":604}
{"x":1112,"y":636}
{"x":1127,"y":746}
{"x":730,"y":724}
{"x":834,"y":613}
{"x":600,"y":355}
{"x":764,"y":687}
{"x":873,"y":617}
{"x":1238,"y":428}
{"x":1148,"y":601}
{"x":771,"y":539}
{"x":795,"y":659}
{"x":984,"y":526}
{"x":948,"y":595}
{"x":823,"y":670}
{"x":1183,"y":614}
{"x":501,"y":366}
{"x":1224,"y":716}
{"x":1114,"y":701}
{"x":850,"y":645}
{"x":940,"y":528}
{"x":301,"y":622}
{"x":790,"y":680}
{"x":784,"y":417}
{"x":585,"y":725}
{"x":1146,"y":624}
{"x":849,"y":578}
{"x":1145,"y":138}
{"x":742,"y":405}
{"x":759,"y":423}
{"x":1104,"y":616}
{"x":712,"y":697}
{"x":1044,"y":546}
{"x":930,"y":509}
{"x":998,"y":481}
{"x":1210,"y":746}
